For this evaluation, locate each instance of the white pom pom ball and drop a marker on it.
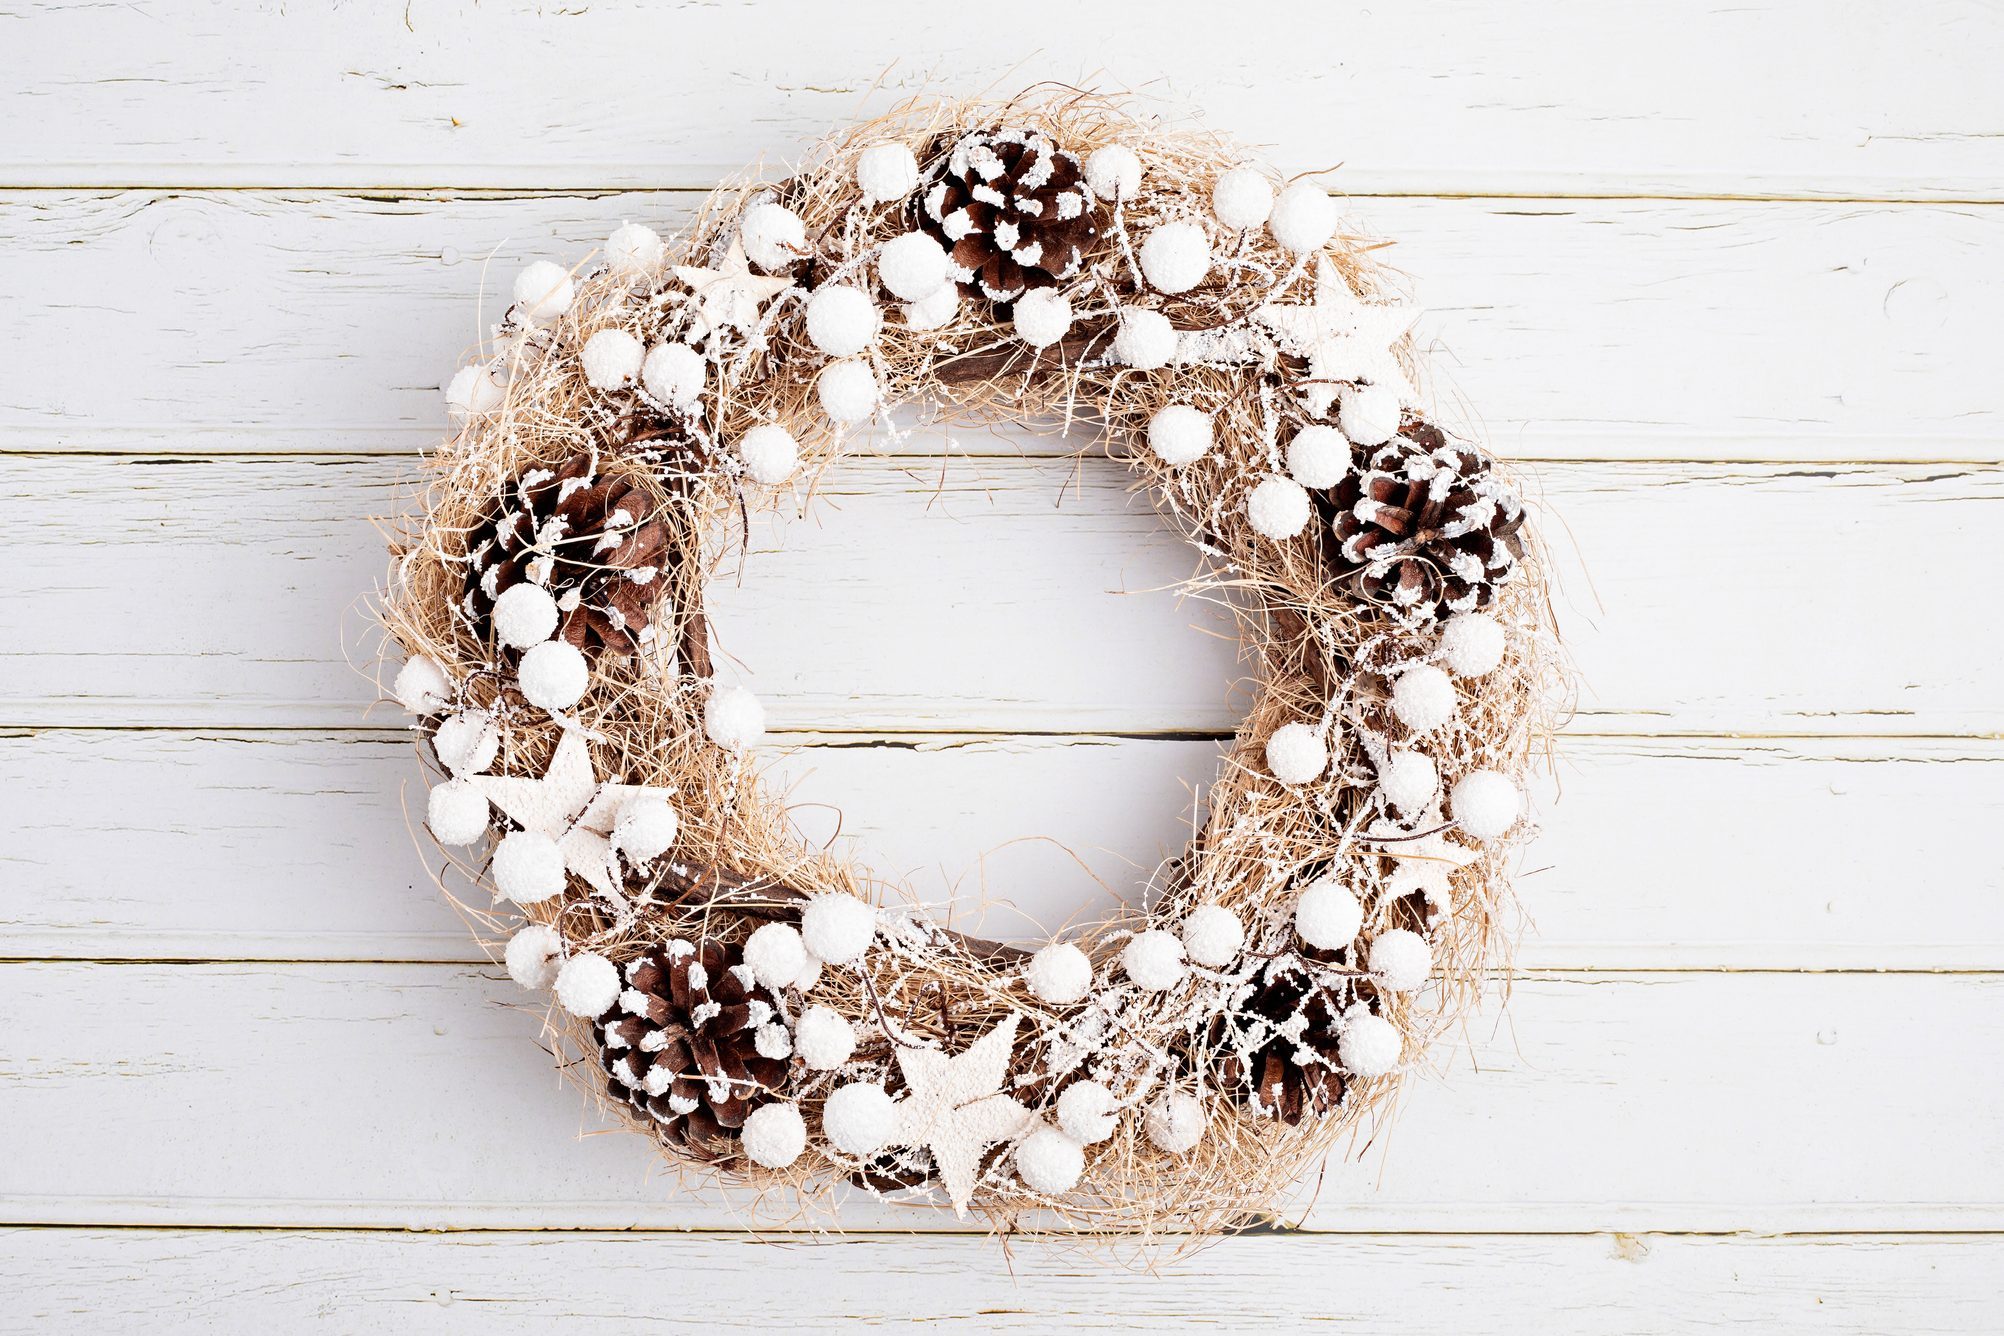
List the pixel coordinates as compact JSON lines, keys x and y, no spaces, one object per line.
{"x":532,"y":955}
{"x":1401,"y":960}
{"x":774,"y":1135}
{"x":1212,"y":935}
{"x":776,"y":955}
{"x":837,"y":927}
{"x":473,"y":391}
{"x":588,"y":985}
{"x":673,"y":374}
{"x":467,"y":742}
{"x":1485,"y":803}
{"x":770,"y":454}
{"x":1471,"y":644}
{"x":1085,"y":1111}
{"x":611,"y":359}
{"x":1059,"y":973}
{"x":1175,"y":257}
{"x":733,"y":719}
{"x":422,"y":687}
{"x":1049,"y":1161}
{"x":634,"y":248}
{"x":1303,"y":218}
{"x":553,"y":675}
{"x":886,"y":172}
{"x":1409,"y":780}
{"x":824,"y":1038}
{"x":1318,"y":456}
{"x":524,"y":615}
{"x":1278,"y":508}
{"x":1368,"y":414}
{"x":1043,"y":316}
{"x":1328,"y":915}
{"x":848,"y":390}
{"x":1242,"y":198}
{"x":859,"y":1118}
{"x":528,"y":867}
{"x":646,"y":828}
{"x":1154,"y":959}
{"x":544,"y":291}
{"x":1175,"y":1123}
{"x":773,"y":235}
{"x":912,"y":267}
{"x":936,"y":311}
{"x":1424,"y":698}
{"x":1370,"y":1045}
{"x":841,"y":320}
{"x":456,"y":811}
{"x":1146,"y":339}
{"x":1295,"y":754}
{"x":1113,"y":172}
{"x":1180,"y":434}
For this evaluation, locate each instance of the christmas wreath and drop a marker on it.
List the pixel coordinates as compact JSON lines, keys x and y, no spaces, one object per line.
{"x":763,"y":1007}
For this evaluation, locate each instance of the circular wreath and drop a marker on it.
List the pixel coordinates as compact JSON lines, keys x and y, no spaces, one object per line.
{"x":766,"y":1008}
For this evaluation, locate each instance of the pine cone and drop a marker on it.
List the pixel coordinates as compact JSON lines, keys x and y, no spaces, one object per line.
{"x":1013,"y":211}
{"x":1277,"y":1048}
{"x":596,"y":542}
{"x":1427,"y":526}
{"x":694,"y":1044}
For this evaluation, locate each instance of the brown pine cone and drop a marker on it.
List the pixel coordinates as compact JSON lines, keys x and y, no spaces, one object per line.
{"x":1427,"y":526}
{"x":694,"y":1044}
{"x":595,"y":542}
{"x":1277,"y":1049}
{"x":1013,"y":210}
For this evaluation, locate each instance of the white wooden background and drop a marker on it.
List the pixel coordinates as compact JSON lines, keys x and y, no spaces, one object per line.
{"x":1729,"y":277}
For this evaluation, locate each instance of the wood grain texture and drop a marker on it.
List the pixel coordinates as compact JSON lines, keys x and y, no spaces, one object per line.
{"x":107,"y":1282}
{"x":266,"y":322}
{"x":1781,"y":97}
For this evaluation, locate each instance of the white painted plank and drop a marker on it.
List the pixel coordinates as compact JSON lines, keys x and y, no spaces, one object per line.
{"x":1713,"y":598}
{"x":417,"y":1096}
{"x":1658,"y":853}
{"x":1788,"y":96}
{"x":105,"y":1282}
{"x":262,"y":322}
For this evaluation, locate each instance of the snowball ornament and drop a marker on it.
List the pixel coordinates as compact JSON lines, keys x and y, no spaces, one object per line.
{"x":1369,"y":1045}
{"x":1086,"y":1112}
{"x":1278,"y":508}
{"x":673,"y":375}
{"x":1409,"y":780}
{"x":1400,"y":960}
{"x":837,"y":927}
{"x":776,"y":955}
{"x":824,"y":1038}
{"x":936,"y":311}
{"x":841,"y":320}
{"x":1049,"y":1161}
{"x":646,"y":828}
{"x":1423,"y":698}
{"x":773,"y":236}
{"x":1154,"y":959}
{"x":859,"y":1118}
{"x":770,"y":454}
{"x":1180,"y":434}
{"x":733,"y":719}
{"x":467,"y":742}
{"x":422,"y":686}
{"x":1318,"y":457}
{"x":553,"y":675}
{"x":1146,"y":341}
{"x":912,"y":266}
{"x":1328,"y":915}
{"x":1485,"y":803}
{"x":456,"y":812}
{"x":1059,"y":973}
{"x":1043,"y":316}
{"x":1113,"y":172}
{"x":544,"y":291}
{"x":533,"y":955}
{"x":886,"y":172}
{"x":774,"y":1135}
{"x":635,"y":249}
{"x":1175,"y":1122}
{"x":1242,"y":198}
{"x":848,"y":390}
{"x":524,"y":615}
{"x":1471,"y":644}
{"x":1368,"y":414}
{"x":1212,"y":935}
{"x":473,"y":392}
{"x":588,"y":985}
{"x":528,"y":867}
{"x":1303,"y":218}
{"x":1175,"y":257}
{"x":611,"y":359}
{"x":1295,"y":754}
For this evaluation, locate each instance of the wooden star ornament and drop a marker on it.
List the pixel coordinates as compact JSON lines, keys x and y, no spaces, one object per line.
{"x":569,"y":805}
{"x":730,"y":295}
{"x":955,"y":1109}
{"x":1344,"y":338}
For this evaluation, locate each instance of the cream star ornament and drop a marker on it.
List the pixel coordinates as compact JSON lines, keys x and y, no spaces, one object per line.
{"x":730,"y":295}
{"x":1344,"y":337}
{"x":1426,"y":864}
{"x":956,"y":1110}
{"x":569,"y":805}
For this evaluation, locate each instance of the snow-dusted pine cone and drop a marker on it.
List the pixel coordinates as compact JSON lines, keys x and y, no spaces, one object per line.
{"x":595,"y":542}
{"x":1013,"y":210}
{"x":1277,"y":1049}
{"x":694,"y":1044}
{"x":1427,"y":526}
